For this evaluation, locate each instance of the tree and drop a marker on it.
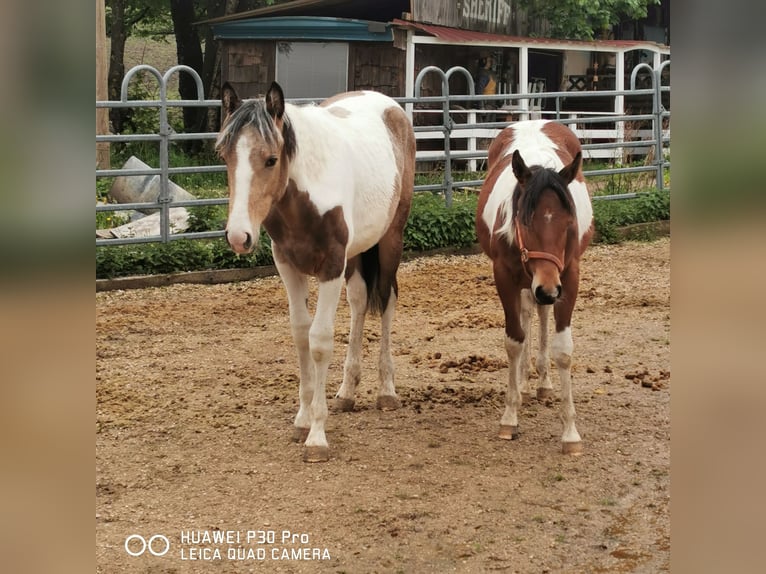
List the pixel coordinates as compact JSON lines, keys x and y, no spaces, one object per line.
{"x":195,"y":47}
{"x":190,"y":39}
{"x":189,"y":52}
{"x":122,"y":16}
{"x":582,"y":19}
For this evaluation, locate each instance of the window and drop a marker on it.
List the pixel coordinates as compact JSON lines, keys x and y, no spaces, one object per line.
{"x":312,"y":69}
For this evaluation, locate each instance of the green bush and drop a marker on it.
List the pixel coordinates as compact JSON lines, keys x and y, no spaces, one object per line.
{"x":178,"y":255}
{"x":207,"y":218}
{"x":431,"y":225}
{"x":609,"y":215}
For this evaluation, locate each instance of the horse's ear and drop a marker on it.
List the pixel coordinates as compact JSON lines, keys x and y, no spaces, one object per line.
{"x":275,"y":101}
{"x":229,"y":99}
{"x":520,"y":169}
{"x":569,"y":172}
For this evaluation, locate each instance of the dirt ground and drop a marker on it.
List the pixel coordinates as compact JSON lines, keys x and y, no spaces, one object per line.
{"x":197,"y":389}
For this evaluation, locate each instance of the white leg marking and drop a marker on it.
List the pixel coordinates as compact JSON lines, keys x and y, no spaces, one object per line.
{"x":543,"y":355}
{"x":527,"y":305}
{"x":513,"y":395}
{"x":356,"y":295}
{"x":300,"y":321}
{"x":321,"y":345}
{"x":561,"y":348}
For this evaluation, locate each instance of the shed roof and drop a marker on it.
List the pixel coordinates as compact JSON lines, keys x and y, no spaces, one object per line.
{"x":380,"y":10}
{"x":303,"y":28}
{"x":460,"y":36}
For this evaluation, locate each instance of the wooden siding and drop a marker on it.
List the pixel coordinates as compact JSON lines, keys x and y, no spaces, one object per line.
{"x":249,"y":66}
{"x":376,"y":66}
{"x":493,"y":16}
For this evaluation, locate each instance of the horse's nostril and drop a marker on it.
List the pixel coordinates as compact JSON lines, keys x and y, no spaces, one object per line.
{"x":544,"y":298}
{"x":558,"y":291}
{"x":248,"y":241}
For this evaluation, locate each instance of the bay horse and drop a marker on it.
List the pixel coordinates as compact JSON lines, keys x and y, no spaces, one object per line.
{"x":534,"y":220}
{"x":332,"y":186}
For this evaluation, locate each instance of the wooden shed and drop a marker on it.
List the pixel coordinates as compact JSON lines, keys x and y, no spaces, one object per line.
{"x":316,"y":48}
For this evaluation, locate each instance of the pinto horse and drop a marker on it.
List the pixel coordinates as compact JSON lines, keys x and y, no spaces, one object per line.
{"x":332,"y":186}
{"x":534,"y":220}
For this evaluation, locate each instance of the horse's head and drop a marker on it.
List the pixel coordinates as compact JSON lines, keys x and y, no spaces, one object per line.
{"x":256,"y":142}
{"x":545,"y":223}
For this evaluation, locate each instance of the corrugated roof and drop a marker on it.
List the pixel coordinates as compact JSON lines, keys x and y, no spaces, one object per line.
{"x":460,"y":36}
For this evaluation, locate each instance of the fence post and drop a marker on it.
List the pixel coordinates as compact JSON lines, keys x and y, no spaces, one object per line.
{"x":469,"y":79}
{"x":446,"y":119}
{"x":102,"y":93}
{"x":165,"y":130}
{"x":660,"y":110}
{"x":446,"y":125}
{"x":655,"y":115}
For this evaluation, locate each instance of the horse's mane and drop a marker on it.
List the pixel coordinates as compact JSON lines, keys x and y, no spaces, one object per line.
{"x":525,"y":203}
{"x":253,"y":113}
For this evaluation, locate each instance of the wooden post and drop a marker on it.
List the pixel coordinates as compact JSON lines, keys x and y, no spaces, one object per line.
{"x":102,"y":114}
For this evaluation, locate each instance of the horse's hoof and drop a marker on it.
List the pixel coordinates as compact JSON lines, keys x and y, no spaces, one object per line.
{"x":544,"y":393}
{"x":525,"y":398}
{"x":316,"y":454}
{"x":508,"y":432}
{"x":343,"y":405}
{"x":300,"y":434}
{"x":388,"y":403}
{"x":571,"y":448}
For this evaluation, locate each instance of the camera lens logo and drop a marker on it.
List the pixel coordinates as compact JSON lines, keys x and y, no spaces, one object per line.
{"x":154,"y":545}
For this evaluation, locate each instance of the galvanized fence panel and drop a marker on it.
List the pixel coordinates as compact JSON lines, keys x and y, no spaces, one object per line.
{"x":457,"y":126}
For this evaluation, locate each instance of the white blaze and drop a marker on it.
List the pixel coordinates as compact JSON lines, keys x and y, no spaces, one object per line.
{"x":239,"y":223}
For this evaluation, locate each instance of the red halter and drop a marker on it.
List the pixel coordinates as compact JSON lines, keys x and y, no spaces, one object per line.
{"x":526,"y":255}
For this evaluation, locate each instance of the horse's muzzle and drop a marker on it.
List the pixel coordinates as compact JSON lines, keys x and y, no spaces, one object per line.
{"x":544,"y":297}
{"x":239,"y":243}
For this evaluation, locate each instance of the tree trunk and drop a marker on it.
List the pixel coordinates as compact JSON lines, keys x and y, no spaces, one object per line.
{"x":212,"y":68}
{"x":189,"y":50}
{"x":119,"y":35}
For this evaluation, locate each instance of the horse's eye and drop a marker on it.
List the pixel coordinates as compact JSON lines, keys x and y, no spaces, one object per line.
{"x":271,"y":162}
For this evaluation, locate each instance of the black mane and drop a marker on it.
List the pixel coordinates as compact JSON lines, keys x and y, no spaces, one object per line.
{"x":525,"y":201}
{"x":253,"y":113}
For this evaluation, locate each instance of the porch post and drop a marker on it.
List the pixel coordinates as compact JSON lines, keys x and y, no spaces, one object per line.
{"x":619,"y":102}
{"x":524,"y":78}
{"x":409,"y":73}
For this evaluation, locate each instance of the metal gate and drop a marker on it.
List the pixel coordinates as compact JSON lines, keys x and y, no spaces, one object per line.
{"x":457,"y":127}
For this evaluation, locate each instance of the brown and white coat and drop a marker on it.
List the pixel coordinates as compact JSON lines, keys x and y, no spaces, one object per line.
{"x":332,"y":186}
{"x":534,"y":220}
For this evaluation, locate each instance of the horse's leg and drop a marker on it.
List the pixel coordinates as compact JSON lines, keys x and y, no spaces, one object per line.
{"x":561,"y":350}
{"x":544,"y":385}
{"x":296,"y":284}
{"x":389,"y":256}
{"x":321,"y":346}
{"x":387,"y":399}
{"x":510,"y":297}
{"x":356,"y":295}
{"x":527,"y":305}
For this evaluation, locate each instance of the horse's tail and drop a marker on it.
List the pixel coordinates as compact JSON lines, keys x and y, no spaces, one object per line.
{"x":379,"y":284}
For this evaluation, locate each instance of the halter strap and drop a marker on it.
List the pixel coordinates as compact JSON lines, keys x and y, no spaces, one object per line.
{"x":526,"y":255}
